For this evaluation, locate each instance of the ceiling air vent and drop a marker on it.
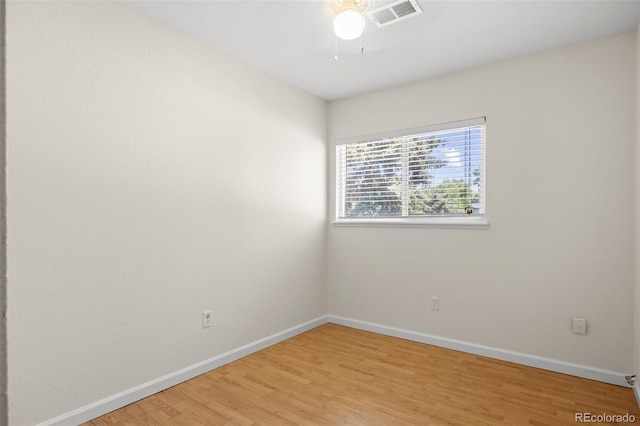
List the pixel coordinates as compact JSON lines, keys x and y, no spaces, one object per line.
{"x":395,"y":12}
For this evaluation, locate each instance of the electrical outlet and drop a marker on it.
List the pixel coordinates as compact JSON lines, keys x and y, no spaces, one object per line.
{"x":579,"y":325}
{"x":435,"y":303}
{"x":207,"y":318}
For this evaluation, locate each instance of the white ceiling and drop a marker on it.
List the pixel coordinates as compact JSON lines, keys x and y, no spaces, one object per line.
{"x":293,"y":40}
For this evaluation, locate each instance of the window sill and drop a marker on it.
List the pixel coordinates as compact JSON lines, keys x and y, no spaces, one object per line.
{"x":476,"y":222}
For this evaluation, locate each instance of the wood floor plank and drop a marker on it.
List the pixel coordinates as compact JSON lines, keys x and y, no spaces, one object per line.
{"x":335,"y":375}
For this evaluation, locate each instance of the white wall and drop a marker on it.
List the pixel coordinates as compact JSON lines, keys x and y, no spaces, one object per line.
{"x":560,"y":185}
{"x":150,"y":178}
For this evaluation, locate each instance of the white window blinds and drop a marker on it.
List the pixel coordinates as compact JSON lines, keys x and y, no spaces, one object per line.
{"x":429,"y":172}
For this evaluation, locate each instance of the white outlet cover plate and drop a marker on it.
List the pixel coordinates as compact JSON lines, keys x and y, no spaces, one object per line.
{"x":579,"y":325}
{"x":207,"y":318}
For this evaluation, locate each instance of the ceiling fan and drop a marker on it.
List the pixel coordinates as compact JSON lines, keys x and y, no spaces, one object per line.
{"x":348,"y":15}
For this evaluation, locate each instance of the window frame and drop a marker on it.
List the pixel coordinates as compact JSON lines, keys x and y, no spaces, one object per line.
{"x":477,"y":221}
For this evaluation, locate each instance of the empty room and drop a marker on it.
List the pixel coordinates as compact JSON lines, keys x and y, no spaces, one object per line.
{"x":319,"y":212}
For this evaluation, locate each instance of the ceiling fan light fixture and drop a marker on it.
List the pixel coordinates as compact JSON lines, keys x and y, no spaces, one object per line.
{"x":348,"y":24}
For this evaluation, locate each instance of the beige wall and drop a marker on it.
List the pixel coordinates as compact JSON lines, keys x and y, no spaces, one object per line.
{"x":560,"y":185}
{"x":150,"y":178}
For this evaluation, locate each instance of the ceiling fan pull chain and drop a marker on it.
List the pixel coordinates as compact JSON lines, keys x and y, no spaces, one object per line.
{"x":335,"y":49}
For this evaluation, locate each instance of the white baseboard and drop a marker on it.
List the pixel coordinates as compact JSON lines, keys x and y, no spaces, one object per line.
{"x":636,"y":392}
{"x":144,"y":390}
{"x":137,"y":393}
{"x":572,"y":369}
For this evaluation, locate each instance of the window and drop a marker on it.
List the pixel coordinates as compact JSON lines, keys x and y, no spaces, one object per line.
{"x":428,"y":176}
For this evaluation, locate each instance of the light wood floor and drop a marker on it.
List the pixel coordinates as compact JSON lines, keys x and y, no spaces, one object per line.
{"x":334,"y":375}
